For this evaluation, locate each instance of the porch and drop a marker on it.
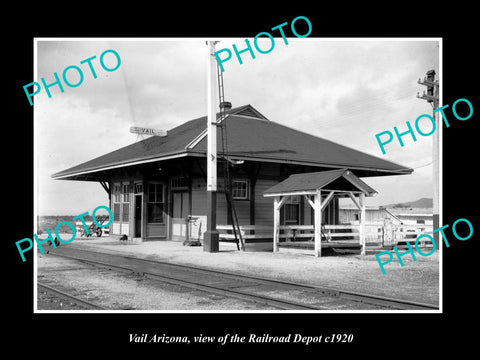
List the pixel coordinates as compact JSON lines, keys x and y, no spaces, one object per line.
{"x":295,"y":236}
{"x":319,"y":189}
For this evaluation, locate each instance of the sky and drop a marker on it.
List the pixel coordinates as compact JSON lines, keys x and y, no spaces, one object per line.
{"x":344,"y":90}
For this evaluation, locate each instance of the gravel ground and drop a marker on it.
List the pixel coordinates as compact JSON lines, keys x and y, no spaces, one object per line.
{"x":416,"y":280}
{"x":49,"y":301}
{"x":123,"y":291}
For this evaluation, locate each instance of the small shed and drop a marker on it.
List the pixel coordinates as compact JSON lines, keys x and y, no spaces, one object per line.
{"x":318,"y":189}
{"x":348,"y":214}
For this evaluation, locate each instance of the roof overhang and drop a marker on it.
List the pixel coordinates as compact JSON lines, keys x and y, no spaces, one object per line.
{"x":366,"y":171}
{"x":81,"y":175}
{"x":70,"y":175}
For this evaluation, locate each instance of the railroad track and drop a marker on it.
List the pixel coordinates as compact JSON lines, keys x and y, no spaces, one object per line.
{"x":355,"y":296}
{"x":275,"y":293}
{"x":69,"y":297}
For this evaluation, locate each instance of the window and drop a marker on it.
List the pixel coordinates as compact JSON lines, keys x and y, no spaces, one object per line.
{"x":138,"y":188}
{"x":291,"y":213}
{"x":240,"y":189}
{"x":179,"y":183}
{"x":126,"y":193}
{"x":116,"y":202}
{"x":116,"y":193}
{"x":292,"y":210}
{"x":125,"y":211}
{"x":155,"y":193}
{"x":125,"y":202}
{"x":116,"y":212}
{"x":155,"y":203}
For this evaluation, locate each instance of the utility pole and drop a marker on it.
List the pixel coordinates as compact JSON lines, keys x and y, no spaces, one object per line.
{"x":432,"y":96}
{"x":211,"y":236}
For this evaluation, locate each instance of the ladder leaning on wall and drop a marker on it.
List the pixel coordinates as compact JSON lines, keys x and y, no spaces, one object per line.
{"x":226,"y":173}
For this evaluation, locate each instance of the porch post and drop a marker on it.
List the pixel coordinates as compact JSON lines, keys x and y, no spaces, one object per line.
{"x":276,"y":222}
{"x":361,"y":200}
{"x":318,"y":223}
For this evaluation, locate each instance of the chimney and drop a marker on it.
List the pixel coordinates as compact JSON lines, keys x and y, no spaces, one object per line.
{"x":225,"y":105}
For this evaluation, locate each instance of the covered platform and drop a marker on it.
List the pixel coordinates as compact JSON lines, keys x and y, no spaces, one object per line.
{"x":319,"y":188}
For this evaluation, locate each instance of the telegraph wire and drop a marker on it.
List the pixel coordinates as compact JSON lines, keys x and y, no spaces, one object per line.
{"x":421,"y":166}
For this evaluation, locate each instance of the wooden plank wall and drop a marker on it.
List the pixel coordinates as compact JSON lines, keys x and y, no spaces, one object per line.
{"x":263,"y":211}
{"x":263,"y":205}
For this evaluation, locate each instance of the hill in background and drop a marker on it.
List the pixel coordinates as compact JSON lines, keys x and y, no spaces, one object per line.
{"x":420,"y":203}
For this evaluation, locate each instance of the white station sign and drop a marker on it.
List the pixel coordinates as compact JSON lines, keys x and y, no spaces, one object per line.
{"x":147,"y":131}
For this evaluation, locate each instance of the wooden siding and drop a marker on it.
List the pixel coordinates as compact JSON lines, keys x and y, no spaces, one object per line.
{"x":263,"y":205}
{"x":199,"y":203}
{"x":307,"y":213}
{"x":269,"y":170}
{"x":242,"y":208}
{"x":199,"y":197}
{"x":221,"y":208}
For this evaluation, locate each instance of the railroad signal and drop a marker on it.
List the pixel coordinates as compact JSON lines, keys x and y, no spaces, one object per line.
{"x":431,"y":95}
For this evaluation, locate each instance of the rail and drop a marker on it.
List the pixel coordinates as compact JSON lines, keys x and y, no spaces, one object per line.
{"x":291,"y":232}
{"x":375,"y":233}
{"x":84,"y":303}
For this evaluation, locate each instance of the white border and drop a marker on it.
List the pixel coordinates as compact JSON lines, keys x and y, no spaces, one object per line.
{"x":35,"y":199}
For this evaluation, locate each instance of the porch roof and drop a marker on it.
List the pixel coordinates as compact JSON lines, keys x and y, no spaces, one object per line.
{"x":309,"y":183}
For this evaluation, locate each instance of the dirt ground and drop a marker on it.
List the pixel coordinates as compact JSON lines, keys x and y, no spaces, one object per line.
{"x":416,"y":280}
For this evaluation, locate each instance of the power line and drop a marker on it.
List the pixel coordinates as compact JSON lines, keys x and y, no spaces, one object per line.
{"x":421,"y":166}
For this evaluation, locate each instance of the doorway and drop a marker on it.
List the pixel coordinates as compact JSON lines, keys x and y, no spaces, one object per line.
{"x":180,"y":212}
{"x":138,"y":216}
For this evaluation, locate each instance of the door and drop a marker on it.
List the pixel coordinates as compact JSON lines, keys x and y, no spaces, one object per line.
{"x":138,"y":216}
{"x":179,"y":215}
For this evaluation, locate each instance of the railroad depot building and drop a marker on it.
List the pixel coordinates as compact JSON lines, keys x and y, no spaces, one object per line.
{"x":156,"y":183}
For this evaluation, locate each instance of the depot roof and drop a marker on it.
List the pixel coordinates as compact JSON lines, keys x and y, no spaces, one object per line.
{"x":251,"y":136}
